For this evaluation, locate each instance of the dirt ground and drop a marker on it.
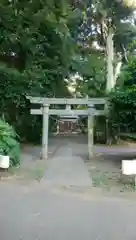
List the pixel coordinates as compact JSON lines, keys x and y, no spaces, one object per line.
{"x":106,"y":174}
{"x":104,"y":168}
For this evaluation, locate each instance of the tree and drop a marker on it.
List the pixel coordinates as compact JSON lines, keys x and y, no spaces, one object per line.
{"x":128,"y":74}
{"x":36,"y":37}
{"x":35,"y":53}
{"x":92,"y":69}
{"x":111,"y":16}
{"x":108,"y":23}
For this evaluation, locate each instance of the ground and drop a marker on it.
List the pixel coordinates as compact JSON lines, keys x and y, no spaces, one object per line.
{"x":35,"y":212}
{"x":31,"y":209}
{"x":104,"y":167}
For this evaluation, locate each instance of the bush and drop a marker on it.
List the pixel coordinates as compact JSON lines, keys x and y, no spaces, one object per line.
{"x":8,"y":143}
{"x":123,"y":111}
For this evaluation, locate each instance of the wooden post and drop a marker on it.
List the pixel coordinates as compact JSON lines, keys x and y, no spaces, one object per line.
{"x":106,"y":109}
{"x":90,"y":131}
{"x":45,"y":131}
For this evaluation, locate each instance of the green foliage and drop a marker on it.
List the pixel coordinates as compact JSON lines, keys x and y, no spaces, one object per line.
{"x":35,"y":53}
{"x":99,"y":15}
{"x":123,"y":111}
{"x":92,"y":69}
{"x":124,"y":34}
{"x":128,"y":73}
{"x":96,"y":19}
{"x":37,"y":34}
{"x":35,"y":37}
{"x":15,"y":108}
{"x":8,"y":143}
{"x":123,"y":102}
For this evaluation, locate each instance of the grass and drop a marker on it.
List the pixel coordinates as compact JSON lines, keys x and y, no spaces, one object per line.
{"x":121,"y":183}
{"x":35,"y":172}
{"x":106,"y":174}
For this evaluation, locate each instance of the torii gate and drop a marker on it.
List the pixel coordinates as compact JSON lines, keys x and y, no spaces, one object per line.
{"x":90,"y":112}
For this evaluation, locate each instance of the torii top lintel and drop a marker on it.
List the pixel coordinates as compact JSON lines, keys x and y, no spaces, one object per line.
{"x":67,"y":101}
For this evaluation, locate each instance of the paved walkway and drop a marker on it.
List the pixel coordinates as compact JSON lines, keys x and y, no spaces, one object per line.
{"x":40,"y":212}
{"x":65,"y":169}
{"x":36,"y":213}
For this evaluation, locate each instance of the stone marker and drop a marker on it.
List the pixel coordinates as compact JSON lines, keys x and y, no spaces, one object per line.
{"x":129,"y":168}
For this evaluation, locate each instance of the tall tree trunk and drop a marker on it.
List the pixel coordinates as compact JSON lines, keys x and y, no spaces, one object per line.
{"x":110,"y":58}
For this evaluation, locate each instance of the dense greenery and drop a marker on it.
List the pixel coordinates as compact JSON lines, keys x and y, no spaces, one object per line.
{"x":9,"y":144}
{"x":123,"y":102}
{"x":36,"y":48}
{"x":104,"y":33}
{"x":92,"y":68}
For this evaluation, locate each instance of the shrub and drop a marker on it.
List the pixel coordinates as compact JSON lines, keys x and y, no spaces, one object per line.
{"x":8,"y":143}
{"x":123,"y":111}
